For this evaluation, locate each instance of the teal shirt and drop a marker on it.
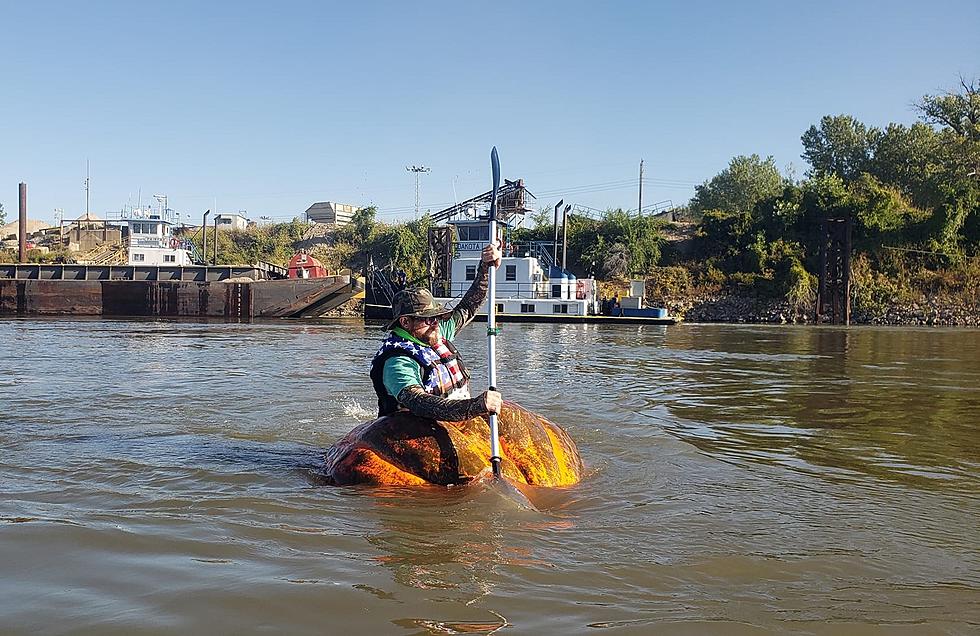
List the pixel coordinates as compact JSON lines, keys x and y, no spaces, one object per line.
{"x":400,"y":372}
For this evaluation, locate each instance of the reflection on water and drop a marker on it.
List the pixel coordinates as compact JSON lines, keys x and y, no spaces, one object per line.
{"x":879,"y":403}
{"x":162,"y":477}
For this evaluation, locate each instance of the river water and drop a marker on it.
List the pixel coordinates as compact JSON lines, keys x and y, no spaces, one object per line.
{"x":162,"y":477}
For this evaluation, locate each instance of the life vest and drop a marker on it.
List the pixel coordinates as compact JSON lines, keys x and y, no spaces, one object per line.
{"x":443,"y":371}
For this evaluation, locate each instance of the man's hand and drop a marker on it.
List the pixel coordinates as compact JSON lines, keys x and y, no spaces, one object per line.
{"x":491,"y":254}
{"x":492,"y":402}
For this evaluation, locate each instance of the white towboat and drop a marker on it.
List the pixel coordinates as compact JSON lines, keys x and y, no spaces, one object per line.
{"x":151,"y":237}
{"x":531,"y":286}
{"x":524,"y":284}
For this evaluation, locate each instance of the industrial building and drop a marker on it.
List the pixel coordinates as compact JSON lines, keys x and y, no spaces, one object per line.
{"x":329,"y":213}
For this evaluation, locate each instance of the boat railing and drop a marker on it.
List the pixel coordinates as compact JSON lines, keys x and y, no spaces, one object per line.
{"x":540,"y":250}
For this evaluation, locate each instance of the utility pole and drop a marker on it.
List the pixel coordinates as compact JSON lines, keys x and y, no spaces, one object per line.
{"x":639,"y":205}
{"x":86,"y":189}
{"x":22,"y":224}
{"x":418,"y":170}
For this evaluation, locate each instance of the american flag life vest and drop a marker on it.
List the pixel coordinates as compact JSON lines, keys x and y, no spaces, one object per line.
{"x":443,"y":371}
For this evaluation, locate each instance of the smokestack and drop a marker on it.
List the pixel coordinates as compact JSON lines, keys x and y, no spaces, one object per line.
{"x":554,"y":245}
{"x":564,"y":235}
{"x":204,"y":231}
{"x":22,"y":229}
{"x":215,"y":238}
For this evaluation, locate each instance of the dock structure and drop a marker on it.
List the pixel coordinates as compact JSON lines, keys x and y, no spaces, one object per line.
{"x":834,"y":288}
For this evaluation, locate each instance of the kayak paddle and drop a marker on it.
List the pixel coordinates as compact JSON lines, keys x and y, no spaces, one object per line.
{"x":491,"y":316}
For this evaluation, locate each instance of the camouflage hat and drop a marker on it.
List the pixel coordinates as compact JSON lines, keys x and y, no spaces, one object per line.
{"x":417,"y":303}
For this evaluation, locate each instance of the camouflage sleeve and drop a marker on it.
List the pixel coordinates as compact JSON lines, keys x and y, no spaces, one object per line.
{"x":471,"y":302}
{"x":424,"y":405}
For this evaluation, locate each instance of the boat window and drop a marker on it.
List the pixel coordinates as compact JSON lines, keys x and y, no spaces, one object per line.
{"x":511,"y":272}
{"x":471,"y":272}
{"x":556,"y":291}
{"x":169,"y":258}
{"x":527,"y":308}
{"x":500,"y":308}
{"x":559,"y":309}
{"x":137,"y":257}
{"x":473,"y":232}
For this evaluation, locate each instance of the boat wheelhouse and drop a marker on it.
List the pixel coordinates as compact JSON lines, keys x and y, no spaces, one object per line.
{"x":151,"y":238}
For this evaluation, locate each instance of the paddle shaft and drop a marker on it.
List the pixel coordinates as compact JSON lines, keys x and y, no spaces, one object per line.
{"x":492,"y":318}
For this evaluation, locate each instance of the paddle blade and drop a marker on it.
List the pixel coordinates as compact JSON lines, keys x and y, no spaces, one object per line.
{"x":495,"y":168}
{"x":505,"y":489}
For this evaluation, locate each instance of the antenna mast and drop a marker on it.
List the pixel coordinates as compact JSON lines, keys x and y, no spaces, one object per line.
{"x":418,"y":170}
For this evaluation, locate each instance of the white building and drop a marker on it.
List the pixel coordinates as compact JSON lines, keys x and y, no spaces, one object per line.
{"x":231,"y":221}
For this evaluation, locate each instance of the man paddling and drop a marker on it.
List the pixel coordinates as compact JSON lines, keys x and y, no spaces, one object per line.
{"x":417,"y":367}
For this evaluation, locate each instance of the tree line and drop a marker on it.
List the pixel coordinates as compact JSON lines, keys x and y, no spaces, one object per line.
{"x":912,"y":192}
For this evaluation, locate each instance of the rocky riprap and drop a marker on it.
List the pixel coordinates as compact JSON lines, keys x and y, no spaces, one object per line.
{"x":738,"y":309}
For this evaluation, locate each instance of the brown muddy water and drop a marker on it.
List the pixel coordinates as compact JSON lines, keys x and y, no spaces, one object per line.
{"x":161,"y":477}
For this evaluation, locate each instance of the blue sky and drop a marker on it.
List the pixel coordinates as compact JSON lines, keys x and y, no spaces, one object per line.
{"x":268,"y":107}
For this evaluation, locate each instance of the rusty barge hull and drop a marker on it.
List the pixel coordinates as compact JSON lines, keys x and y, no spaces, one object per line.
{"x":230,"y":292}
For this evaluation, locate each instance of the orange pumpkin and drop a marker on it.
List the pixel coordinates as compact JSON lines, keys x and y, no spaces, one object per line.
{"x":405,"y":450}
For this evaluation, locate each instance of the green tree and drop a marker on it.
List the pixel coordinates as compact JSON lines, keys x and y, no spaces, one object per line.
{"x":910,"y":159}
{"x":739,"y":187}
{"x":638,"y":234}
{"x":724,"y":237}
{"x":401,"y":245}
{"x":957,"y":114}
{"x":363,"y":223}
{"x":780,"y":216}
{"x":882,"y":214}
{"x":841,"y":145}
{"x":957,"y":110}
{"x":950,"y":220}
{"x":3,"y":216}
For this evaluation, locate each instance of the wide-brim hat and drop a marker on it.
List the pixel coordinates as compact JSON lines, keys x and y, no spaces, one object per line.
{"x":415,"y":303}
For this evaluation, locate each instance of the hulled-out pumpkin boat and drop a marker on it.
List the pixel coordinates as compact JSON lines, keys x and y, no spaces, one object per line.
{"x":406,"y":450}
